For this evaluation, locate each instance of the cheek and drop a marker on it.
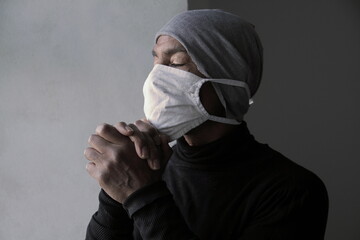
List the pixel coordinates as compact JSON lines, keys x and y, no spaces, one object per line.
{"x":194,"y":70}
{"x":156,"y":61}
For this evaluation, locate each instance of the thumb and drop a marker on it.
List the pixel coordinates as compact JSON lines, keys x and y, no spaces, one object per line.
{"x":166,"y":151}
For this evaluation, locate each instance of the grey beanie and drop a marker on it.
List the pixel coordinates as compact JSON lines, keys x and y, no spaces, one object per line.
{"x":223,"y":46}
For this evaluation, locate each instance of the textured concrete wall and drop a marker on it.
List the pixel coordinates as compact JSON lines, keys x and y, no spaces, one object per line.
{"x":65,"y":66}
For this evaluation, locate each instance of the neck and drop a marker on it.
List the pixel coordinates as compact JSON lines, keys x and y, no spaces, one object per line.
{"x":208,"y":132}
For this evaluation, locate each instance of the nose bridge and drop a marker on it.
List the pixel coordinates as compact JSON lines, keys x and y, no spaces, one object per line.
{"x":162,"y":59}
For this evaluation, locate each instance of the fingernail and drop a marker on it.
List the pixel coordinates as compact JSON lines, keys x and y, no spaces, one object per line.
{"x":129,"y":129}
{"x":144,"y":152}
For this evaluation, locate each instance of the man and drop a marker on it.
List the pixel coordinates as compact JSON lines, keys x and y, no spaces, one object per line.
{"x":217,"y":182}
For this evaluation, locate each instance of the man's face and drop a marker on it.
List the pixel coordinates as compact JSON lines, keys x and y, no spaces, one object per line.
{"x":168,"y":51}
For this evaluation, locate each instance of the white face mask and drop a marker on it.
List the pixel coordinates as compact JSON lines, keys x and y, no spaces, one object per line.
{"x":172,"y":103}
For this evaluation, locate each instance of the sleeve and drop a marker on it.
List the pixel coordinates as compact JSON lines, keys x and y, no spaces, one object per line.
{"x":110,"y":221}
{"x":291,"y":213}
{"x":155,"y":214}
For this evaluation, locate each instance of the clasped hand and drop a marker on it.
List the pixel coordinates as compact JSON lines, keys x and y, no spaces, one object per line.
{"x":124,"y":158}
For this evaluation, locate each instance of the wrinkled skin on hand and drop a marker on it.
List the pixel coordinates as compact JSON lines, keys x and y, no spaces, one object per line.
{"x":124,"y":158}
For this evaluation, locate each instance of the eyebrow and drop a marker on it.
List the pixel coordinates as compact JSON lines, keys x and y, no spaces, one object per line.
{"x":171,"y":51}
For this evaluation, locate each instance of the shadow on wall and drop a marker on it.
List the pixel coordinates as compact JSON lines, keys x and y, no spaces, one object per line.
{"x":306,"y":105}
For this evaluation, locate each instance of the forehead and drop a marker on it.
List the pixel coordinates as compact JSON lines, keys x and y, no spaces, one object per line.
{"x":165,"y":38}
{"x":168,"y":45}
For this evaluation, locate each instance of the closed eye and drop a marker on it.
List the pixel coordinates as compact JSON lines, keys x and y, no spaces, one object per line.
{"x":176,"y":65}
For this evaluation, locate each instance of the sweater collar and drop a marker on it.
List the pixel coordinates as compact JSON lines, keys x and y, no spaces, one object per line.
{"x":234,"y":143}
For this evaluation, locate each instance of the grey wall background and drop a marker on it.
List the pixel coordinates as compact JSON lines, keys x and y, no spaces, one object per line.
{"x":65,"y":67}
{"x":308,"y":104}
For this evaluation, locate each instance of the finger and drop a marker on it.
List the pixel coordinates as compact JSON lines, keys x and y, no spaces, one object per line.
{"x":109,"y":133}
{"x":140,"y":142}
{"x":98,"y":143}
{"x":145,"y":126}
{"x":92,"y":170}
{"x":149,"y":134}
{"x":154,"y":153}
{"x":124,"y":129}
{"x":92,"y":155}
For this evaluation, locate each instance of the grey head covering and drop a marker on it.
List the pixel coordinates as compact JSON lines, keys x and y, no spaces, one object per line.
{"x":223,"y":46}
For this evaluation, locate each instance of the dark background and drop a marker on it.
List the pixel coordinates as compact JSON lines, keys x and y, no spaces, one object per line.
{"x":307,"y":105}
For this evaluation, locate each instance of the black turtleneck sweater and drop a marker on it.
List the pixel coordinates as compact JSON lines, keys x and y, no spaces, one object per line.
{"x":233,"y":188}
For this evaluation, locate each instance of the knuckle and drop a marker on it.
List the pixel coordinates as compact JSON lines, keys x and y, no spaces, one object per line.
{"x":120,"y":124}
{"x":124,"y":128}
{"x":102,"y":128}
{"x":137,"y":135}
{"x":139,"y":123}
{"x":87,"y":153}
{"x":91,"y":154}
{"x":92,"y":138}
{"x":144,"y":127}
{"x":89,"y":167}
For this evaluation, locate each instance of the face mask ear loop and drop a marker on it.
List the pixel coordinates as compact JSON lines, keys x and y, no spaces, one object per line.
{"x":219,"y":94}
{"x":236,"y":83}
{"x":231,"y":82}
